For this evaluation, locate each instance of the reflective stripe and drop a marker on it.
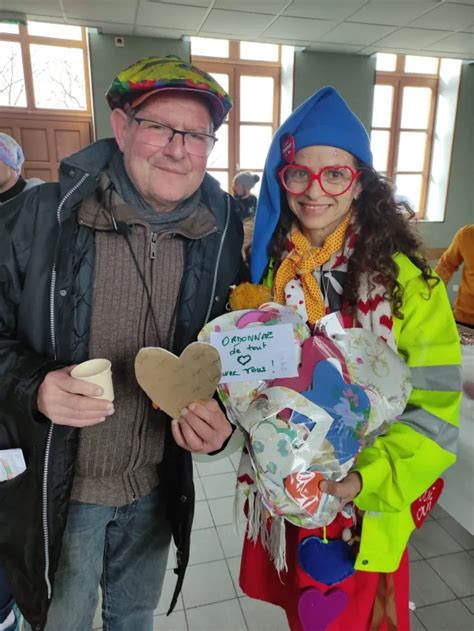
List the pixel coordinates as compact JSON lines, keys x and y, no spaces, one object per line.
{"x":442,"y":378}
{"x":431,"y":426}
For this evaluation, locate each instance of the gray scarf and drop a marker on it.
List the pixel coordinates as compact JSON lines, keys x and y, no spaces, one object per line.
{"x":157,"y":221}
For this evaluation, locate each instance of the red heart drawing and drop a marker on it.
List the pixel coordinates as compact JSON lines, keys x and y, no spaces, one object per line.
{"x":303,"y":488}
{"x":421,"y":507}
{"x":317,"y":611}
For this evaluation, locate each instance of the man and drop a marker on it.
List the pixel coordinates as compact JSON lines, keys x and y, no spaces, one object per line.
{"x":11,"y":161}
{"x":135,"y":246}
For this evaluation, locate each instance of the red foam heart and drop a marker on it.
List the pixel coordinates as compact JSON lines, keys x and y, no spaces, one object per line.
{"x":421,"y":507}
{"x":303,"y":488}
{"x":314,"y":350}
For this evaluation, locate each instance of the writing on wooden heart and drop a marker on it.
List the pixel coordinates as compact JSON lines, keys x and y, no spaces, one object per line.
{"x":317,"y":610}
{"x":175,"y":382}
{"x":422,"y":506}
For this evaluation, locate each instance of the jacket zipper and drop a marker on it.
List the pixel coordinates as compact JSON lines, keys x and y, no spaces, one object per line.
{"x":154,"y":245}
{"x":52,"y":328}
{"x":219,"y":254}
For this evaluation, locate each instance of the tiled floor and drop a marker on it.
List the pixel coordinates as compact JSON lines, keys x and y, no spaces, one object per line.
{"x":442,"y":555}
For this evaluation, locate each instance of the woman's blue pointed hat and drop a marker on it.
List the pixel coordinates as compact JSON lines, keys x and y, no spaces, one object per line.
{"x":323,"y":119}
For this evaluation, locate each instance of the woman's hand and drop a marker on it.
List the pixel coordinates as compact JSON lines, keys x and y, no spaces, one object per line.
{"x":346,"y":490}
{"x":201,"y":428}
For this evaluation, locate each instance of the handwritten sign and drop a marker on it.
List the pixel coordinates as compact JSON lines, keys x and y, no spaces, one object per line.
{"x":263,"y":352}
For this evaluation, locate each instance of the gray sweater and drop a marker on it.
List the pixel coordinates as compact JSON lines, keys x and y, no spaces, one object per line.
{"x":118,"y":460}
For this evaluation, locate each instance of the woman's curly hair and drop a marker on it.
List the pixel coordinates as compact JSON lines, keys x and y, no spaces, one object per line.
{"x":384,"y":230}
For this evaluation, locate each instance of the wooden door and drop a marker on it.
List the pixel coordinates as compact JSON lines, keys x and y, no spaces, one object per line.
{"x":46,"y":140}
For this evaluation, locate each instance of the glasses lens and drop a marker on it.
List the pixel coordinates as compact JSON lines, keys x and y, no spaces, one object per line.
{"x":154,"y":133}
{"x":336,"y":181}
{"x":199,"y":144}
{"x":297,"y":179}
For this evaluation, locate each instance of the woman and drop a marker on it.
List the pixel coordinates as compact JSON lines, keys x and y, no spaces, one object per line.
{"x":329,"y":236}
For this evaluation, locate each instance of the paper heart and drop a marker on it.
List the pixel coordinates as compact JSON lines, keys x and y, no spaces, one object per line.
{"x":174,"y":382}
{"x":422,"y":506}
{"x":303,"y":488}
{"x":317,"y":611}
{"x":314,"y":350}
{"x":327,"y":563}
{"x":252,"y":317}
{"x":272,"y":444}
{"x":346,"y":403}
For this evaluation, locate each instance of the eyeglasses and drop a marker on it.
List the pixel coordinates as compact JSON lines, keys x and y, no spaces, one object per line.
{"x":159,"y":135}
{"x":333,"y":180}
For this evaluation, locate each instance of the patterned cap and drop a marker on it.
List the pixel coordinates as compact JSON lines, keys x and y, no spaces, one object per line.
{"x":153,"y":74}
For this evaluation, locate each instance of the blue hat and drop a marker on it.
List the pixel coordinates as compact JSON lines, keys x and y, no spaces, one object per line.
{"x":323,"y":119}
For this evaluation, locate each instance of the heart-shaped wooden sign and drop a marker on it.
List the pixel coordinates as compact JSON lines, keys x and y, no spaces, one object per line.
{"x":174,"y":382}
{"x":421,"y":507}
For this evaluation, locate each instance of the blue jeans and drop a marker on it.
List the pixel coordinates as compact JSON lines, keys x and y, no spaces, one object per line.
{"x":6,"y":602}
{"x":125,"y":550}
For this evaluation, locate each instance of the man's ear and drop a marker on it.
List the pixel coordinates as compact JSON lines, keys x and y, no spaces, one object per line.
{"x":119,"y":123}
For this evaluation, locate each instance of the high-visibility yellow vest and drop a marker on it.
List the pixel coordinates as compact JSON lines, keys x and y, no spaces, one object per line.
{"x":416,"y":449}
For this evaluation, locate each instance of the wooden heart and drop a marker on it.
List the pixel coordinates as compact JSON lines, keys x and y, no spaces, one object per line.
{"x":174,"y":382}
{"x":422,"y":506}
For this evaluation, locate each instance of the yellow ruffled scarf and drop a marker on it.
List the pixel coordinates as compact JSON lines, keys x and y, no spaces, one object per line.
{"x":301,"y":263}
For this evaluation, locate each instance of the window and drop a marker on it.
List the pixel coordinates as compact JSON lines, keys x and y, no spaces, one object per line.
{"x":44,"y":67}
{"x":12,"y":80}
{"x":250,"y":72}
{"x":405,"y":95}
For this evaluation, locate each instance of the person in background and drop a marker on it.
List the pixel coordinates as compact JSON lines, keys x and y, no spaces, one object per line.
{"x":461,"y":251}
{"x":11,"y":161}
{"x":12,"y":184}
{"x":134,"y":246}
{"x":246,"y":205}
{"x":242,"y":189}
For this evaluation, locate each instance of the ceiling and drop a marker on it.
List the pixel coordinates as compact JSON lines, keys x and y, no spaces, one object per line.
{"x":424,"y":27}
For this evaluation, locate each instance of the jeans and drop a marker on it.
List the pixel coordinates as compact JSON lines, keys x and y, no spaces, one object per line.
{"x":125,"y":550}
{"x":7,"y":604}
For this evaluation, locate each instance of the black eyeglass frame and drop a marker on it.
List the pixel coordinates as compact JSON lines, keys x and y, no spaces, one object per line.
{"x":174,"y":131}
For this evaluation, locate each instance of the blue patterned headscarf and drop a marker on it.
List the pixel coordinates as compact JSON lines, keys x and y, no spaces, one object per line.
{"x":11,"y":153}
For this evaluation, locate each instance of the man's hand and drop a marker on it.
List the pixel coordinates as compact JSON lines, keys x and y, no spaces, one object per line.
{"x":201,"y":428}
{"x":347,"y":489}
{"x":68,"y":401}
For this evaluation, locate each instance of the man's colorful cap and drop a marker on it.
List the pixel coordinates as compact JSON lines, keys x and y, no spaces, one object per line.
{"x":152,"y":75}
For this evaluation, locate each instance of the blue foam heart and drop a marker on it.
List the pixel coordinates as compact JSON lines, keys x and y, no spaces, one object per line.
{"x":328,"y":563}
{"x":346,"y":403}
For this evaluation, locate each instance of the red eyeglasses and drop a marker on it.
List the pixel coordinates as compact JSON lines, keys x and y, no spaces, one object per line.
{"x":333,"y":180}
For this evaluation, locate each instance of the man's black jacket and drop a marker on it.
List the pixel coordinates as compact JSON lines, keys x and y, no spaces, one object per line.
{"x":46,"y":281}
